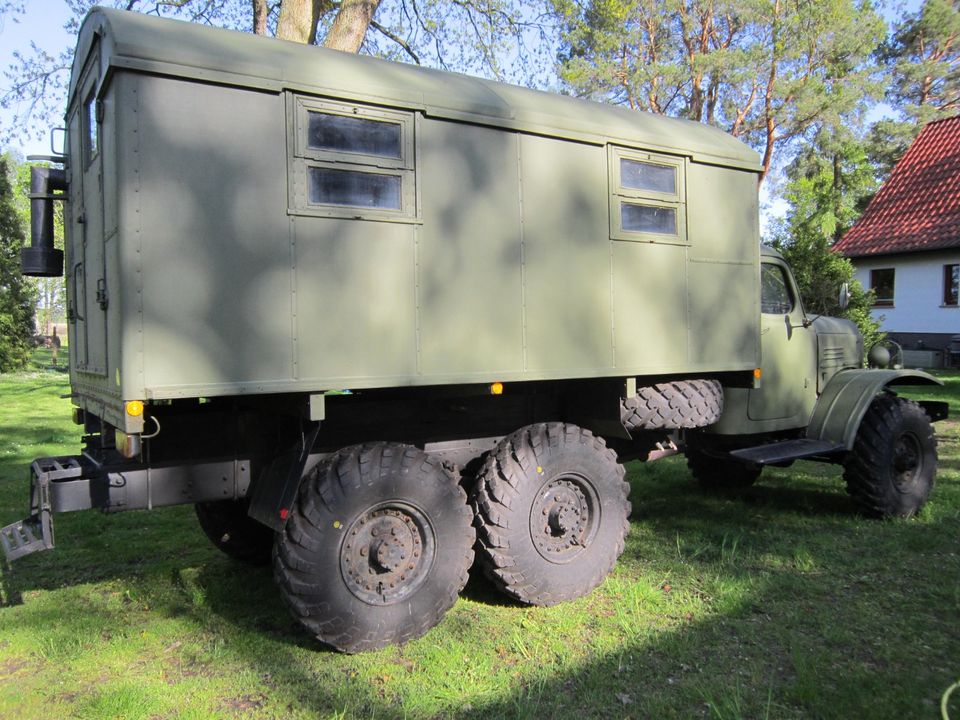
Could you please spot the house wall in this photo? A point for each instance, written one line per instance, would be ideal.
(918, 311)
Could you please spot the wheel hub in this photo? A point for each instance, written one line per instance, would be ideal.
(563, 519)
(387, 553)
(906, 461)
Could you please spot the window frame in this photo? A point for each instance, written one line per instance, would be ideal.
(621, 194)
(948, 282)
(883, 302)
(302, 157)
(788, 286)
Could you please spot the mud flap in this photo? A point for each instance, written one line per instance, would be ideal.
(276, 488)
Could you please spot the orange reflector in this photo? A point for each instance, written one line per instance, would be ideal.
(496, 388)
(757, 372)
(134, 408)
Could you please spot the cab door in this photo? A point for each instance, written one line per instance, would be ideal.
(788, 349)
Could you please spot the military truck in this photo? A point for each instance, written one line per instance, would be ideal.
(372, 319)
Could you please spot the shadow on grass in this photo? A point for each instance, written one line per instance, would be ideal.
(765, 654)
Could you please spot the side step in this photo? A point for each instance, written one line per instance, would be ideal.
(773, 453)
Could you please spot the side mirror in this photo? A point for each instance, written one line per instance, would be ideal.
(844, 299)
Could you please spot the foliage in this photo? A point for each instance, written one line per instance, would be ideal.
(766, 71)
(16, 296)
(829, 183)
(923, 54)
(50, 292)
(780, 603)
(503, 39)
(922, 59)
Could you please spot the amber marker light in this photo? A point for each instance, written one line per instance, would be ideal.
(757, 373)
(135, 408)
(496, 388)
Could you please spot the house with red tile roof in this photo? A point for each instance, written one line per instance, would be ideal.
(906, 245)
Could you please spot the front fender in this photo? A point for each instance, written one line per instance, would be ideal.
(845, 400)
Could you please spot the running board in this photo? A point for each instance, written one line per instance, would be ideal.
(773, 453)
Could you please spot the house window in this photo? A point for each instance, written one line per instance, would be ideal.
(352, 161)
(647, 201)
(881, 282)
(951, 284)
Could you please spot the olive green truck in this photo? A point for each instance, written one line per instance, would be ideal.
(373, 319)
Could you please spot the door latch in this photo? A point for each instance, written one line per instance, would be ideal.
(102, 294)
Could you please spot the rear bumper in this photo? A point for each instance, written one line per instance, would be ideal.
(65, 484)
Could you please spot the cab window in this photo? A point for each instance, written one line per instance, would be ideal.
(775, 298)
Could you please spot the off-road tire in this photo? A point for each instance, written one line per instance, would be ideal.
(334, 568)
(673, 406)
(233, 531)
(891, 469)
(551, 507)
(715, 470)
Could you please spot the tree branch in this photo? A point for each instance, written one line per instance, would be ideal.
(397, 39)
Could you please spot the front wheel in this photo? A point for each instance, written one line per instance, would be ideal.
(891, 469)
(376, 548)
(715, 469)
(552, 513)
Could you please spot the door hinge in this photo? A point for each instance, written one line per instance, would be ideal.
(102, 294)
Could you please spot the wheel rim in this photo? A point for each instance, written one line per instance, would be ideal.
(387, 553)
(907, 461)
(564, 518)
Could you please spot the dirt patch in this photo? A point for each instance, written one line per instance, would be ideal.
(11, 667)
(245, 703)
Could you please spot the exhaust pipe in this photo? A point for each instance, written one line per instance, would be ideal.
(42, 259)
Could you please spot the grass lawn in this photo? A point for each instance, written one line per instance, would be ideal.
(778, 603)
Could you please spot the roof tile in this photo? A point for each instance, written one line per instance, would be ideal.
(918, 207)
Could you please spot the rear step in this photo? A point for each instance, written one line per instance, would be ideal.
(773, 453)
(28, 536)
(35, 533)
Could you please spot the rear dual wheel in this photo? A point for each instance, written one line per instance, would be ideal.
(376, 548)
(551, 507)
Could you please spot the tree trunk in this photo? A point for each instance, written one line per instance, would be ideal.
(350, 25)
(259, 17)
(298, 19)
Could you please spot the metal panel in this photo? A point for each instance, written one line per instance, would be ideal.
(723, 216)
(215, 244)
(650, 307)
(723, 315)
(355, 302)
(566, 250)
(847, 398)
(468, 253)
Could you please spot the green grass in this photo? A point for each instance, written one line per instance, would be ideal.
(778, 603)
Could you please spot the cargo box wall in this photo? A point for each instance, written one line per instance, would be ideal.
(501, 262)
(205, 239)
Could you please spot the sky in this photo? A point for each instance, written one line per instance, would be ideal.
(43, 24)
